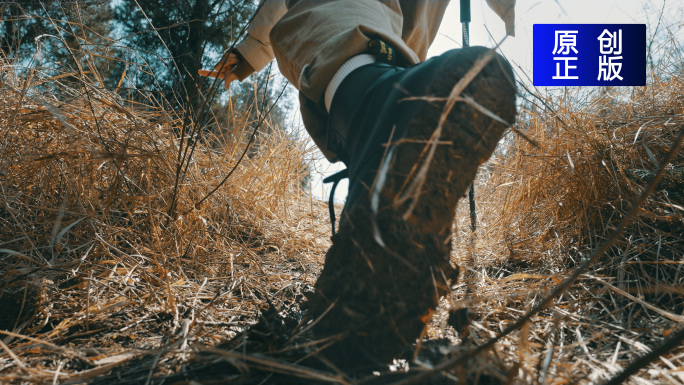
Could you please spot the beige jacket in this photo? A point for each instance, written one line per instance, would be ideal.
(312, 38)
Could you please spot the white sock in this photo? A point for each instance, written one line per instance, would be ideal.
(345, 69)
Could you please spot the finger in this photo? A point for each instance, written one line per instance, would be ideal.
(229, 79)
(231, 56)
(227, 61)
(211, 74)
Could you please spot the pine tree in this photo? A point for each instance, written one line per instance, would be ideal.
(55, 37)
(173, 39)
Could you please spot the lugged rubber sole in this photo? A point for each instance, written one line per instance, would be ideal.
(389, 262)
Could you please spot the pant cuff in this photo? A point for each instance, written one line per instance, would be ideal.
(345, 69)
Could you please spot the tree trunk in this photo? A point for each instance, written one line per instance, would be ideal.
(191, 59)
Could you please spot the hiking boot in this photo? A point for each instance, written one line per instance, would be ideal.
(389, 262)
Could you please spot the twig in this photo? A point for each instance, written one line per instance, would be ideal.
(185, 154)
(664, 313)
(644, 360)
(9, 351)
(244, 152)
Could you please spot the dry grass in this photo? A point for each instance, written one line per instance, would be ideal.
(102, 267)
(96, 268)
(545, 208)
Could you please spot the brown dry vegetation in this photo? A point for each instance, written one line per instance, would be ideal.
(112, 274)
(94, 265)
(547, 203)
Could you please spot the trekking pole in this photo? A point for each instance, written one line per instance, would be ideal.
(465, 20)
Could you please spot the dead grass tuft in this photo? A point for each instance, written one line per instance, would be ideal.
(544, 208)
(96, 265)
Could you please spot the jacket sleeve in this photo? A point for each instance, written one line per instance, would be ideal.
(256, 49)
(506, 11)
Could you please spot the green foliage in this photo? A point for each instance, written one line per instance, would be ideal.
(54, 37)
(170, 38)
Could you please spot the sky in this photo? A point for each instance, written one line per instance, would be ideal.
(487, 29)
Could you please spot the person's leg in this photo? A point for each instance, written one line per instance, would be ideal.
(389, 262)
(314, 38)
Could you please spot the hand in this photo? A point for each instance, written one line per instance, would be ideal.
(223, 69)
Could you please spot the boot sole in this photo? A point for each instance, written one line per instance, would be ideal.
(389, 263)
